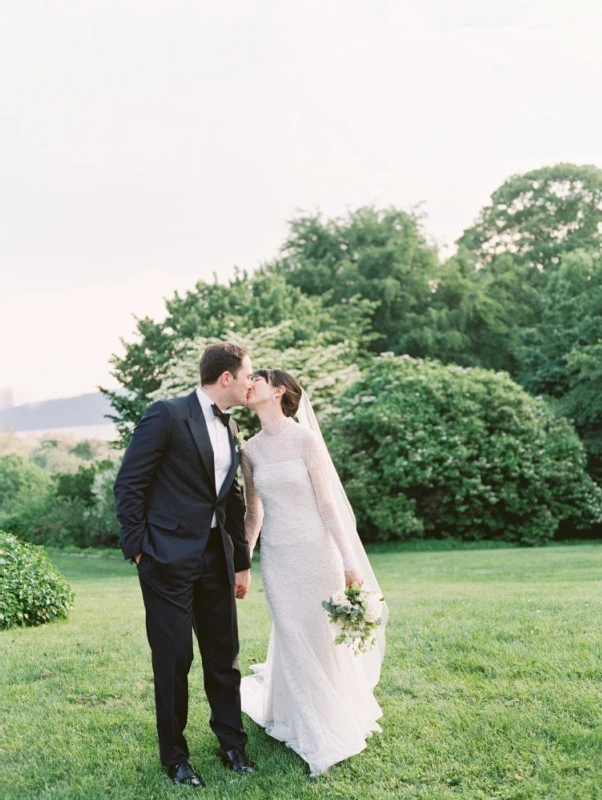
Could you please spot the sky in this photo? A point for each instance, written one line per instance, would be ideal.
(148, 145)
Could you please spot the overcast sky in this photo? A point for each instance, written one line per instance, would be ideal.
(145, 145)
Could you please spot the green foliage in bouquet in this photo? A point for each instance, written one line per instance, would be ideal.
(356, 615)
(425, 449)
(32, 590)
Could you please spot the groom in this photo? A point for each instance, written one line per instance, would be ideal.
(181, 513)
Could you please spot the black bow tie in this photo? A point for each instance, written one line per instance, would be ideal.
(225, 418)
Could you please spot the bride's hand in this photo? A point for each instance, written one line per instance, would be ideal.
(353, 576)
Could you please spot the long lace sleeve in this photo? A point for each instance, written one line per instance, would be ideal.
(254, 515)
(312, 456)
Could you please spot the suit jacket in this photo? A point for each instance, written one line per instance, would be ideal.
(165, 491)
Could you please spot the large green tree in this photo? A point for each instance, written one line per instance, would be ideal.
(561, 354)
(21, 482)
(380, 255)
(583, 401)
(520, 295)
(472, 317)
(324, 369)
(454, 311)
(214, 311)
(538, 216)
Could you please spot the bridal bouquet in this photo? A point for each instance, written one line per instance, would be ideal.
(356, 615)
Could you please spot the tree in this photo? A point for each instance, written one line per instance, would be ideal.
(21, 482)
(86, 450)
(324, 370)
(54, 456)
(51, 520)
(571, 318)
(216, 311)
(583, 401)
(539, 216)
(560, 354)
(453, 311)
(472, 317)
(102, 527)
(380, 255)
(79, 485)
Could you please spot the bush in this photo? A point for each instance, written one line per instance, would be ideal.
(79, 485)
(78, 509)
(431, 450)
(52, 520)
(102, 527)
(21, 482)
(76, 485)
(32, 590)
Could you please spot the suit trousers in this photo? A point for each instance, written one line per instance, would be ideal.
(179, 598)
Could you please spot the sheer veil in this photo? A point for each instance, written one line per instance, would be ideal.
(372, 660)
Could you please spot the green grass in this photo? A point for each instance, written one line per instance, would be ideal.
(492, 688)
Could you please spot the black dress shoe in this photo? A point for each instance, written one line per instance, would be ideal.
(183, 774)
(238, 762)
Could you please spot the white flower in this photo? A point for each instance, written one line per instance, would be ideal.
(374, 607)
(355, 632)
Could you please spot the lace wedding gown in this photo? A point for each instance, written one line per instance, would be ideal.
(311, 694)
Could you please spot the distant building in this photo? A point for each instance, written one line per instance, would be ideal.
(6, 398)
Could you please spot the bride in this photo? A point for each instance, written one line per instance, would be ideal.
(315, 696)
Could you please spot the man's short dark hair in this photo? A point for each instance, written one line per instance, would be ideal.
(219, 358)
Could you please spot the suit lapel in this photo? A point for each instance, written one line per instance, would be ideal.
(200, 434)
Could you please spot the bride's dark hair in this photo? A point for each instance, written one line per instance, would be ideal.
(292, 388)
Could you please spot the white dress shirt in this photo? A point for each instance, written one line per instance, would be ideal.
(220, 442)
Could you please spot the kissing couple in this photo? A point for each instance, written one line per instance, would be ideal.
(183, 521)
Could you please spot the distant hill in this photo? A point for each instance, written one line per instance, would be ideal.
(69, 412)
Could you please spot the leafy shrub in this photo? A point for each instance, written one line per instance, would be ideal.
(21, 482)
(77, 509)
(102, 527)
(32, 590)
(86, 450)
(431, 450)
(80, 484)
(55, 455)
(52, 520)
(76, 485)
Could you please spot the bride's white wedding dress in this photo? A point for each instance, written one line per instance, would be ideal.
(312, 694)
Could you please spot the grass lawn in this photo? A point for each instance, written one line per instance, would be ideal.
(492, 688)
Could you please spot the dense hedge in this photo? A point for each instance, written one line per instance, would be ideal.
(68, 509)
(431, 450)
(21, 483)
(32, 590)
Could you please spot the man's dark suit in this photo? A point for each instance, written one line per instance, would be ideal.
(166, 497)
